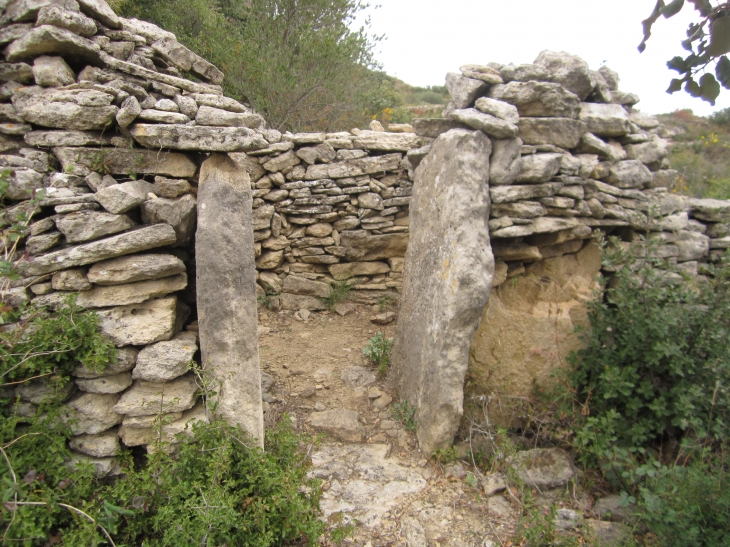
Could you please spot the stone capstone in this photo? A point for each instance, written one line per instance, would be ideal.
(446, 282)
(226, 287)
(568, 70)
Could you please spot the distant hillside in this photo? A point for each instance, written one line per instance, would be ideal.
(700, 152)
(414, 102)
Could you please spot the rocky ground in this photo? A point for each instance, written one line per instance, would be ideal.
(374, 475)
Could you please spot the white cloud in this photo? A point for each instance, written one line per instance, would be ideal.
(428, 38)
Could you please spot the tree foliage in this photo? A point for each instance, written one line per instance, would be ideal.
(708, 42)
(298, 62)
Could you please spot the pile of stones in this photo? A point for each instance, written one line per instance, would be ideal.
(571, 154)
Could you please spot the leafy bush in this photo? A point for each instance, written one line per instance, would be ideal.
(657, 361)
(378, 351)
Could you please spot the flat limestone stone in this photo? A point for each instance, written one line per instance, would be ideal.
(353, 269)
(148, 398)
(143, 239)
(140, 324)
(126, 358)
(180, 213)
(48, 39)
(226, 288)
(489, 124)
(120, 161)
(388, 142)
(562, 132)
(203, 138)
(340, 423)
(132, 293)
(106, 384)
(92, 413)
(88, 225)
(135, 268)
(67, 138)
(446, 282)
(120, 198)
(103, 445)
(362, 247)
(164, 361)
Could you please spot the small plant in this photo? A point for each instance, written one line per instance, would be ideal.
(446, 455)
(101, 163)
(378, 351)
(339, 292)
(386, 302)
(268, 300)
(405, 413)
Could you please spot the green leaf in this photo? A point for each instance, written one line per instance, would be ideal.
(709, 88)
(693, 88)
(722, 70)
(719, 37)
(649, 22)
(703, 6)
(672, 9)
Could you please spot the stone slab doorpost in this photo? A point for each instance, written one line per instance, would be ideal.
(226, 293)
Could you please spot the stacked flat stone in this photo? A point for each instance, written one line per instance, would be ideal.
(571, 154)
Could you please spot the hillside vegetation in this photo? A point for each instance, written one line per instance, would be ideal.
(700, 152)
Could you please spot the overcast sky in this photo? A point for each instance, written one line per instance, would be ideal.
(425, 39)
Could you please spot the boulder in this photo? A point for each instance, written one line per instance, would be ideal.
(148, 398)
(135, 241)
(131, 293)
(90, 225)
(464, 91)
(538, 99)
(115, 383)
(562, 132)
(605, 120)
(203, 138)
(486, 74)
(92, 413)
(180, 213)
(140, 324)
(568, 70)
(489, 124)
(445, 284)
(121, 161)
(523, 73)
(340, 423)
(539, 167)
(129, 269)
(226, 287)
(164, 361)
(77, 109)
(52, 72)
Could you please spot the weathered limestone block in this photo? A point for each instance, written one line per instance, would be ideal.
(353, 269)
(362, 247)
(568, 70)
(710, 210)
(226, 292)
(164, 361)
(539, 167)
(301, 302)
(464, 91)
(70, 20)
(90, 225)
(103, 445)
(539, 99)
(499, 109)
(180, 213)
(355, 167)
(294, 284)
(120, 161)
(340, 423)
(180, 56)
(131, 293)
(149, 398)
(126, 358)
(629, 174)
(486, 74)
(99, 9)
(129, 111)
(208, 139)
(140, 324)
(70, 280)
(507, 194)
(66, 138)
(323, 153)
(515, 344)
(143, 239)
(92, 413)
(77, 109)
(135, 268)
(447, 279)
(489, 124)
(115, 383)
(52, 72)
(387, 142)
(561, 132)
(605, 120)
(648, 153)
(223, 118)
(48, 39)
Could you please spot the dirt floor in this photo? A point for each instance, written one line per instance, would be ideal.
(385, 486)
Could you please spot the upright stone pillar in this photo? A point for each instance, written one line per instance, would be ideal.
(226, 294)
(447, 278)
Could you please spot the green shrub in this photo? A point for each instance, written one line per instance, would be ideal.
(405, 413)
(378, 351)
(657, 361)
(339, 292)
